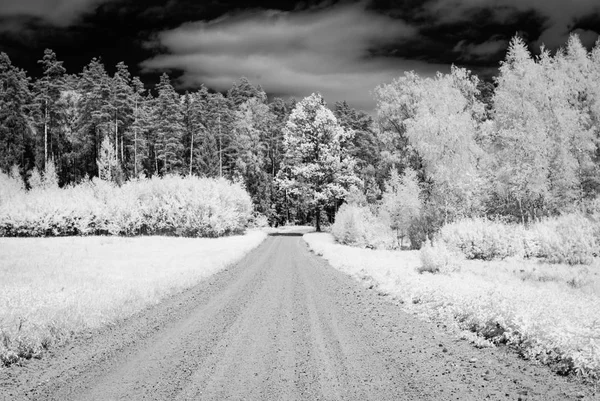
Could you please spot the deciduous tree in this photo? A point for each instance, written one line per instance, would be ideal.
(315, 170)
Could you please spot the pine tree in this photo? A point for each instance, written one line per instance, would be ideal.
(243, 90)
(194, 107)
(135, 133)
(364, 146)
(169, 127)
(252, 128)
(95, 118)
(16, 123)
(121, 103)
(48, 90)
(68, 106)
(217, 150)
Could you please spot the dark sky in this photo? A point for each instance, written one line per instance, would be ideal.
(342, 49)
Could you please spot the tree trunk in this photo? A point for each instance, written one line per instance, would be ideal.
(521, 211)
(135, 172)
(116, 138)
(191, 152)
(318, 219)
(220, 150)
(165, 167)
(135, 113)
(45, 134)
(155, 163)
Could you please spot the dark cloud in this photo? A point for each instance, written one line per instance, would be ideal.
(343, 48)
(55, 12)
(327, 49)
(559, 15)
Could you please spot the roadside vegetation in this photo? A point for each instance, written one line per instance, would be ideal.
(548, 312)
(191, 206)
(120, 252)
(489, 219)
(52, 289)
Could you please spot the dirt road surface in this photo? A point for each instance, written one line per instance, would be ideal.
(280, 325)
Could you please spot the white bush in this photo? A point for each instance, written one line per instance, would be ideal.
(566, 239)
(483, 239)
(436, 258)
(356, 225)
(191, 206)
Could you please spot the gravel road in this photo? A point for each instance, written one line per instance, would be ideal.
(280, 325)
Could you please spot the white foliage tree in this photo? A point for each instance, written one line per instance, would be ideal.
(544, 142)
(50, 179)
(401, 202)
(521, 145)
(315, 170)
(107, 163)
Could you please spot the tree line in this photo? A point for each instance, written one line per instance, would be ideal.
(92, 124)
(523, 146)
(523, 149)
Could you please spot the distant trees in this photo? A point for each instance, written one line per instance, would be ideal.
(47, 91)
(168, 126)
(524, 149)
(543, 142)
(524, 146)
(16, 117)
(431, 127)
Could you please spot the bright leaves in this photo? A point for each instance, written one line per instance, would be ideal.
(315, 168)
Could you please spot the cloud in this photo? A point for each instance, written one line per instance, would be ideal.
(55, 12)
(560, 16)
(480, 51)
(329, 50)
(588, 38)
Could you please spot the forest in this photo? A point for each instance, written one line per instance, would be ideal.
(519, 148)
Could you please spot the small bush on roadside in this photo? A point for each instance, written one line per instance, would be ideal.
(483, 239)
(10, 187)
(567, 239)
(358, 226)
(436, 258)
(259, 220)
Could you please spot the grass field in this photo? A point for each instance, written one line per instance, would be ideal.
(52, 288)
(551, 313)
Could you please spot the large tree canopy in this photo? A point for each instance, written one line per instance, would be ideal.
(315, 168)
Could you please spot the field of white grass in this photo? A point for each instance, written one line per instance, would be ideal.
(51, 288)
(551, 313)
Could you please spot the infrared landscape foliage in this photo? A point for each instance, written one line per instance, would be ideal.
(169, 230)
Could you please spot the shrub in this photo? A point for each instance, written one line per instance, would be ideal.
(483, 239)
(10, 186)
(191, 206)
(358, 226)
(436, 258)
(566, 239)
